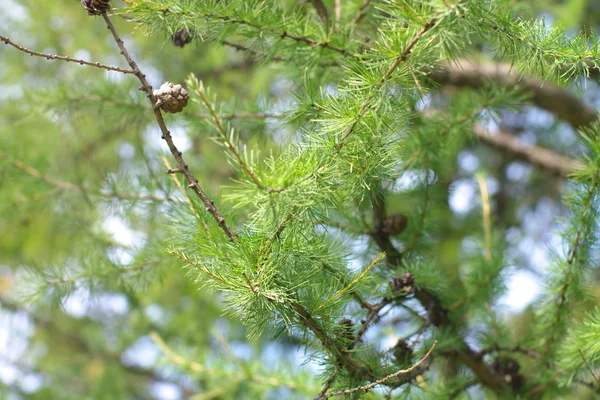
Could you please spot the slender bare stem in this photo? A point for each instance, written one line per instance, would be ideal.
(371, 385)
(64, 58)
(166, 135)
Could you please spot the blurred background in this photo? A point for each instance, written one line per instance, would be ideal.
(83, 193)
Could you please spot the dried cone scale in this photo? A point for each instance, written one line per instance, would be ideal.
(171, 98)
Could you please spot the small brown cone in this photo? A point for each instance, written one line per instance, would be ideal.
(394, 224)
(182, 37)
(171, 98)
(96, 7)
(405, 283)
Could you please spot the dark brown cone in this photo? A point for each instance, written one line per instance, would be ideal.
(509, 369)
(394, 224)
(405, 283)
(346, 329)
(402, 352)
(182, 37)
(96, 7)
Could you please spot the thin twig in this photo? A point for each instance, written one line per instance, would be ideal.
(176, 358)
(338, 14)
(588, 366)
(116, 271)
(370, 386)
(64, 58)
(63, 185)
(327, 385)
(354, 282)
(487, 223)
(166, 135)
(321, 10)
(572, 255)
(362, 11)
(227, 137)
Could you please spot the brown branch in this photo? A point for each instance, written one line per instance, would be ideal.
(370, 386)
(166, 135)
(64, 58)
(362, 11)
(437, 313)
(538, 156)
(588, 367)
(553, 98)
(514, 349)
(321, 10)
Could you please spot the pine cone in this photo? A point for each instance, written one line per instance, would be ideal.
(182, 37)
(402, 352)
(96, 7)
(509, 369)
(346, 329)
(405, 283)
(171, 98)
(394, 224)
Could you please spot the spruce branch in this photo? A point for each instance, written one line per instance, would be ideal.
(64, 58)
(381, 381)
(166, 135)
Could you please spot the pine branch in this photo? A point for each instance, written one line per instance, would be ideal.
(64, 58)
(115, 271)
(260, 28)
(438, 314)
(570, 266)
(64, 185)
(553, 98)
(227, 138)
(370, 386)
(200, 116)
(166, 135)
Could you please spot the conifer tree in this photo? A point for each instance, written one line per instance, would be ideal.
(250, 199)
